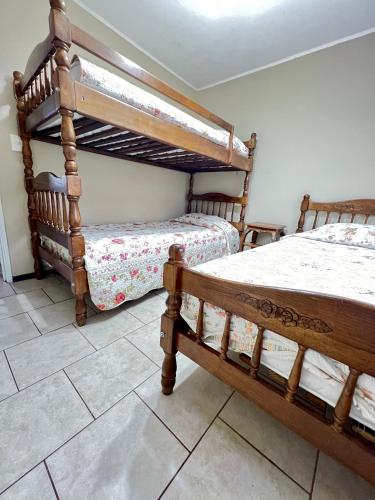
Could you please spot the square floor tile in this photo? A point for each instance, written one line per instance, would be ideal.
(56, 316)
(5, 289)
(108, 326)
(127, 453)
(15, 330)
(7, 385)
(24, 302)
(147, 339)
(335, 482)
(224, 466)
(40, 357)
(290, 452)
(34, 284)
(147, 308)
(109, 374)
(35, 422)
(59, 291)
(36, 485)
(196, 400)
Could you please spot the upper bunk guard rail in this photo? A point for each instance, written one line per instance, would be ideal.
(117, 60)
(47, 86)
(336, 327)
(360, 210)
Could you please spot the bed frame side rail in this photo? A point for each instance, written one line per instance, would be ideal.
(336, 327)
(353, 210)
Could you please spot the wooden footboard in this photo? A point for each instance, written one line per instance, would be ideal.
(339, 328)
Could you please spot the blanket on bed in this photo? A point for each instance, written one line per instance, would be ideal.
(336, 259)
(125, 261)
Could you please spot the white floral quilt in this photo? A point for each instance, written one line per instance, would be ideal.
(337, 259)
(125, 261)
(115, 86)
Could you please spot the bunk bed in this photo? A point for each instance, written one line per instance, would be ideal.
(74, 103)
(299, 342)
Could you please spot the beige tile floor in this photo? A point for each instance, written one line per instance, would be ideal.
(82, 416)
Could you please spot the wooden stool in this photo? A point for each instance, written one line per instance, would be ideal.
(275, 230)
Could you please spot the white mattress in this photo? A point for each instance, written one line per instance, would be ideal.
(110, 84)
(338, 259)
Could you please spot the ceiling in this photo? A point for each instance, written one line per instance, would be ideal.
(206, 42)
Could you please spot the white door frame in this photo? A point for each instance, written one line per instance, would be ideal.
(4, 250)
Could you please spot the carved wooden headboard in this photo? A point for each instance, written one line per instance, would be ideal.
(359, 211)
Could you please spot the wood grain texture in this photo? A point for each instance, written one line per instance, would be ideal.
(336, 327)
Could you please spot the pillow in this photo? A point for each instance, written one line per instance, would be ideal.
(359, 235)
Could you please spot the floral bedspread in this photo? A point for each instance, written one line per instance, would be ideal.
(115, 86)
(125, 261)
(337, 259)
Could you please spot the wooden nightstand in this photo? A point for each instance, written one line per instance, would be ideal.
(275, 230)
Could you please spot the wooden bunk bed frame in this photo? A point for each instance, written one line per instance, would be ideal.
(47, 90)
(336, 327)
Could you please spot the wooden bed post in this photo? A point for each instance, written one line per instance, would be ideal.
(62, 43)
(251, 144)
(304, 208)
(190, 193)
(171, 317)
(244, 202)
(29, 173)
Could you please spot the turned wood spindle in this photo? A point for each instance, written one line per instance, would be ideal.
(49, 208)
(41, 86)
(226, 336)
(199, 329)
(257, 353)
(64, 212)
(54, 212)
(344, 403)
(295, 375)
(47, 86)
(60, 224)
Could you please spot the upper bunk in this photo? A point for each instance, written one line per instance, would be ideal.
(113, 117)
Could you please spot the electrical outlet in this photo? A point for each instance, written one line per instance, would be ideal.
(15, 142)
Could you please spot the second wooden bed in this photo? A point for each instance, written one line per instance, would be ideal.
(338, 327)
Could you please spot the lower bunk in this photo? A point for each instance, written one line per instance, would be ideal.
(291, 326)
(115, 263)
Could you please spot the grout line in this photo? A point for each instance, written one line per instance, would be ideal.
(264, 456)
(159, 418)
(75, 361)
(194, 447)
(314, 475)
(50, 478)
(76, 434)
(81, 398)
(11, 371)
(83, 336)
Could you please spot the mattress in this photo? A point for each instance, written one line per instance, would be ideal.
(114, 86)
(337, 259)
(125, 261)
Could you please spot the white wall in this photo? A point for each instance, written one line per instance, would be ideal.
(315, 120)
(113, 190)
